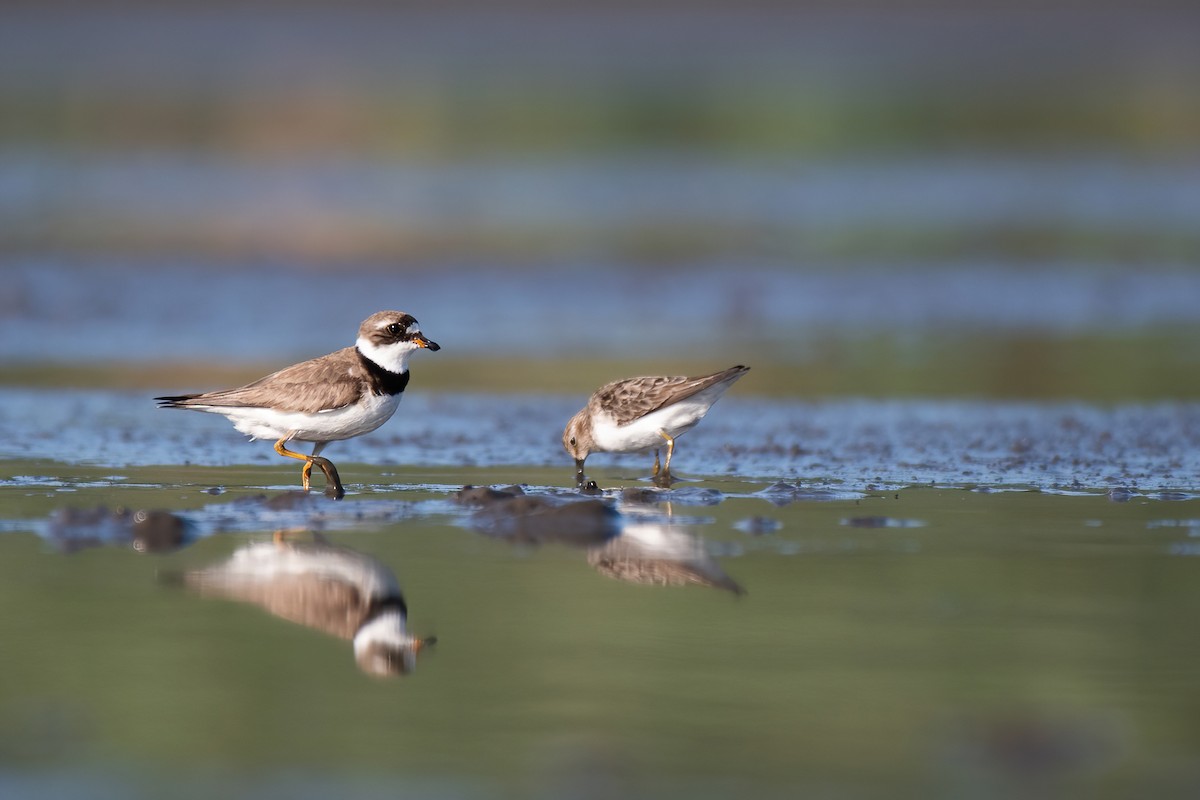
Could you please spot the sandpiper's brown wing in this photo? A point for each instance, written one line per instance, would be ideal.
(325, 604)
(632, 398)
(629, 565)
(322, 384)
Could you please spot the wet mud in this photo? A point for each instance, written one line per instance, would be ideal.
(798, 450)
(120, 484)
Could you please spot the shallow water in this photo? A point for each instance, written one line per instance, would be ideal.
(855, 444)
(934, 639)
(944, 598)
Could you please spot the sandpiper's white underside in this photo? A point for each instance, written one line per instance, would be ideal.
(643, 434)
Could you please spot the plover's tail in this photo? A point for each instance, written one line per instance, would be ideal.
(175, 400)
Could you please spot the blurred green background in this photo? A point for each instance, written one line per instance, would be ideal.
(934, 86)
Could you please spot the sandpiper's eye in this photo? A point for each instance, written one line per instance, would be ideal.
(395, 329)
(572, 441)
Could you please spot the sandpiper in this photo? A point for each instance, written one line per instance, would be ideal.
(659, 552)
(338, 396)
(642, 414)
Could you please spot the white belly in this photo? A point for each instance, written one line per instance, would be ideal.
(323, 426)
(643, 434)
(263, 562)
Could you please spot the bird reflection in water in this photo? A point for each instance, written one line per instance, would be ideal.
(660, 553)
(332, 589)
(636, 544)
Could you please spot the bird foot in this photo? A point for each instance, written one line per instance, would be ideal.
(333, 483)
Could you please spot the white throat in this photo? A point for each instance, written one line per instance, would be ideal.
(386, 629)
(377, 644)
(392, 357)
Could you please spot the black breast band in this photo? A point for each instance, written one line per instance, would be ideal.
(382, 604)
(380, 380)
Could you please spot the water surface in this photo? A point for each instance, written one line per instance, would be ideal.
(953, 598)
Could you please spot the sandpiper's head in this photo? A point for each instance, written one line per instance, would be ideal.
(577, 436)
(577, 439)
(389, 337)
(382, 647)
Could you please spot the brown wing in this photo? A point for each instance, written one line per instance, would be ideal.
(632, 398)
(324, 383)
(330, 606)
(614, 561)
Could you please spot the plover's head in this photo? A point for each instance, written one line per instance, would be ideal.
(389, 337)
(382, 647)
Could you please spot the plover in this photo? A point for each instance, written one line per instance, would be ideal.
(338, 396)
(331, 589)
(642, 414)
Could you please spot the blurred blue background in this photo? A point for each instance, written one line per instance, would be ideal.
(224, 182)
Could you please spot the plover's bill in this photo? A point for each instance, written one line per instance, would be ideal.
(332, 589)
(339, 396)
(642, 414)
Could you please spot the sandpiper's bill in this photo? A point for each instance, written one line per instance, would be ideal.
(642, 414)
(338, 396)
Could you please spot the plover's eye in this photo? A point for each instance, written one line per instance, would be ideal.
(572, 441)
(395, 329)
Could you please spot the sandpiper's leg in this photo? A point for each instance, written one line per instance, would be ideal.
(664, 478)
(657, 466)
(306, 473)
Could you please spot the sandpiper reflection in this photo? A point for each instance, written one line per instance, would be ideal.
(332, 589)
(634, 543)
(660, 553)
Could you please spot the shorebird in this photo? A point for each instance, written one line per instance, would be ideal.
(338, 396)
(660, 553)
(331, 589)
(642, 414)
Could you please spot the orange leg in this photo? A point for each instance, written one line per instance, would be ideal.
(670, 452)
(281, 535)
(306, 473)
(334, 483)
(663, 478)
